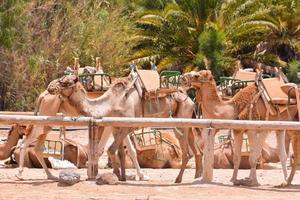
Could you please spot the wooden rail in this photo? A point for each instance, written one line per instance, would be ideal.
(209, 126)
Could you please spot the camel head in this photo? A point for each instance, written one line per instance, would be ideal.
(196, 80)
(186, 79)
(19, 129)
(65, 86)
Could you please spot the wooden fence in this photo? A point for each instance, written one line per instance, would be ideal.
(209, 126)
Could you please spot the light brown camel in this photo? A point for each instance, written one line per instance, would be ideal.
(16, 132)
(238, 107)
(223, 154)
(164, 154)
(123, 100)
(73, 152)
(50, 105)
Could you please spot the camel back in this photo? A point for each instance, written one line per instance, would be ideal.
(240, 79)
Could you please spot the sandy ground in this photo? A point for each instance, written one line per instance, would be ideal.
(160, 186)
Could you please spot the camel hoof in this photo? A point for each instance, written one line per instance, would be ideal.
(19, 177)
(122, 179)
(144, 177)
(246, 182)
(51, 177)
(178, 180)
(283, 185)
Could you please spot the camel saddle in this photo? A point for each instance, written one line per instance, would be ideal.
(245, 75)
(147, 139)
(149, 80)
(274, 97)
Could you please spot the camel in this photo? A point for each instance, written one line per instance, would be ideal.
(223, 154)
(165, 154)
(48, 104)
(238, 107)
(15, 133)
(73, 152)
(123, 99)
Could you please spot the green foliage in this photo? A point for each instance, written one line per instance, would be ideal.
(272, 23)
(38, 39)
(293, 69)
(210, 52)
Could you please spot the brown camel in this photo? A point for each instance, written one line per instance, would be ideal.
(48, 104)
(73, 152)
(165, 154)
(238, 107)
(16, 132)
(223, 154)
(123, 100)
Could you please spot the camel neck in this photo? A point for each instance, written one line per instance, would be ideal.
(212, 105)
(12, 140)
(209, 95)
(90, 107)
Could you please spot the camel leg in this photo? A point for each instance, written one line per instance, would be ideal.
(102, 138)
(256, 142)
(183, 138)
(237, 149)
(122, 157)
(38, 149)
(119, 137)
(280, 135)
(133, 157)
(295, 145)
(197, 154)
(24, 145)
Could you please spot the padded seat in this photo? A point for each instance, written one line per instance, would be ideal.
(245, 75)
(287, 89)
(274, 92)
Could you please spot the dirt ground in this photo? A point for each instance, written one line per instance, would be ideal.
(161, 185)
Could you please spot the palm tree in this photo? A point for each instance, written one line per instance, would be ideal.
(171, 35)
(268, 31)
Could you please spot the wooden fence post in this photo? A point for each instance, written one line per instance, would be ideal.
(92, 171)
(208, 162)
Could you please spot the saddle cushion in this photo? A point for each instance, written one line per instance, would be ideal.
(287, 89)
